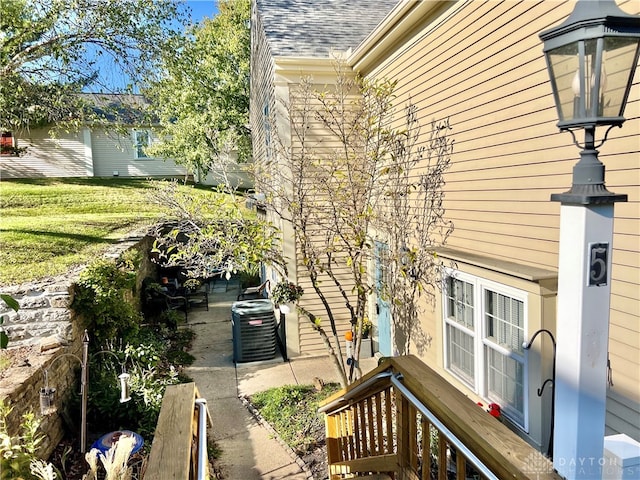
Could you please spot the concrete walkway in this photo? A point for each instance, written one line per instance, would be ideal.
(249, 450)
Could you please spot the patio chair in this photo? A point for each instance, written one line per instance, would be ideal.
(198, 297)
(251, 293)
(158, 299)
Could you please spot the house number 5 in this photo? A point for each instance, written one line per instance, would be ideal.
(598, 263)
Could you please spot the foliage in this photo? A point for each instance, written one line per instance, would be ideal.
(202, 95)
(100, 296)
(366, 327)
(152, 361)
(212, 235)
(248, 279)
(13, 304)
(292, 410)
(114, 460)
(192, 284)
(18, 454)
(349, 153)
(286, 292)
(51, 51)
(49, 226)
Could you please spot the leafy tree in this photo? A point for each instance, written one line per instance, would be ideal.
(350, 164)
(210, 234)
(50, 51)
(202, 94)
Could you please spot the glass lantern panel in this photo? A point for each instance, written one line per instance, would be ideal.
(563, 64)
(617, 72)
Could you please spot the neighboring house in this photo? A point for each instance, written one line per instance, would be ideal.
(92, 151)
(480, 64)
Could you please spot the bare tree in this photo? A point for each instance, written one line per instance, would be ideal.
(413, 224)
(334, 182)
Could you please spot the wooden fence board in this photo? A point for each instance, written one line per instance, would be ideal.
(170, 455)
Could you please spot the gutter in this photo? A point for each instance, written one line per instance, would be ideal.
(403, 18)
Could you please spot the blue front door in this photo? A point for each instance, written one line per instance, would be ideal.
(382, 306)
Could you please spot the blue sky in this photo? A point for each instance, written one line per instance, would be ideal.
(202, 8)
(115, 78)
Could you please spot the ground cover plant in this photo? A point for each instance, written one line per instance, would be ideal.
(51, 225)
(292, 411)
(150, 360)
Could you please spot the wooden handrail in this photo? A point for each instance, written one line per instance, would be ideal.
(173, 454)
(373, 427)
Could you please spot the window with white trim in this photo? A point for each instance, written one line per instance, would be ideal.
(141, 140)
(484, 328)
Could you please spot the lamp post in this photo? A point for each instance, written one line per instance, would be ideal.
(591, 58)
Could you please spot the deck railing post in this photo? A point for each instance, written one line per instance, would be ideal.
(402, 419)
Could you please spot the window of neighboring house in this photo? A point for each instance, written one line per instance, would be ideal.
(484, 330)
(7, 144)
(141, 140)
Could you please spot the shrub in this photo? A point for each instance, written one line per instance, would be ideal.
(18, 454)
(286, 292)
(100, 296)
(153, 362)
(292, 410)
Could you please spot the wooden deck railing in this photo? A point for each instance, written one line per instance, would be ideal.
(404, 421)
(176, 448)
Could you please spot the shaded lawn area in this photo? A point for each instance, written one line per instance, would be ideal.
(50, 225)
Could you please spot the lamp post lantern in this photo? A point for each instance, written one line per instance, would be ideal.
(591, 58)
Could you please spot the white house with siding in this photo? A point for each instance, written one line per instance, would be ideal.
(97, 152)
(92, 151)
(87, 153)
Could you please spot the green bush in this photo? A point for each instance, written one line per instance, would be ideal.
(249, 279)
(153, 364)
(292, 410)
(18, 454)
(101, 298)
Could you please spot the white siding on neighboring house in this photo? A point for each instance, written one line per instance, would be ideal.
(64, 156)
(86, 153)
(113, 153)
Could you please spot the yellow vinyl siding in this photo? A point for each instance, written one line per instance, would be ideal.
(619, 409)
(484, 69)
(310, 340)
(323, 147)
(625, 376)
(626, 290)
(481, 65)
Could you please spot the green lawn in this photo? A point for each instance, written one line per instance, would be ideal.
(50, 225)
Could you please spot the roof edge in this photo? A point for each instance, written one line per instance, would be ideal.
(401, 19)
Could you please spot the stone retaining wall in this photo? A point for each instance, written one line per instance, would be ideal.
(45, 319)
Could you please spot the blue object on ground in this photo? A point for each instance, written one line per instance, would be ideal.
(104, 443)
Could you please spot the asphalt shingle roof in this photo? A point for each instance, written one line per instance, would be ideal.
(312, 28)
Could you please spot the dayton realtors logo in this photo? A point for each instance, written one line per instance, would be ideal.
(537, 464)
